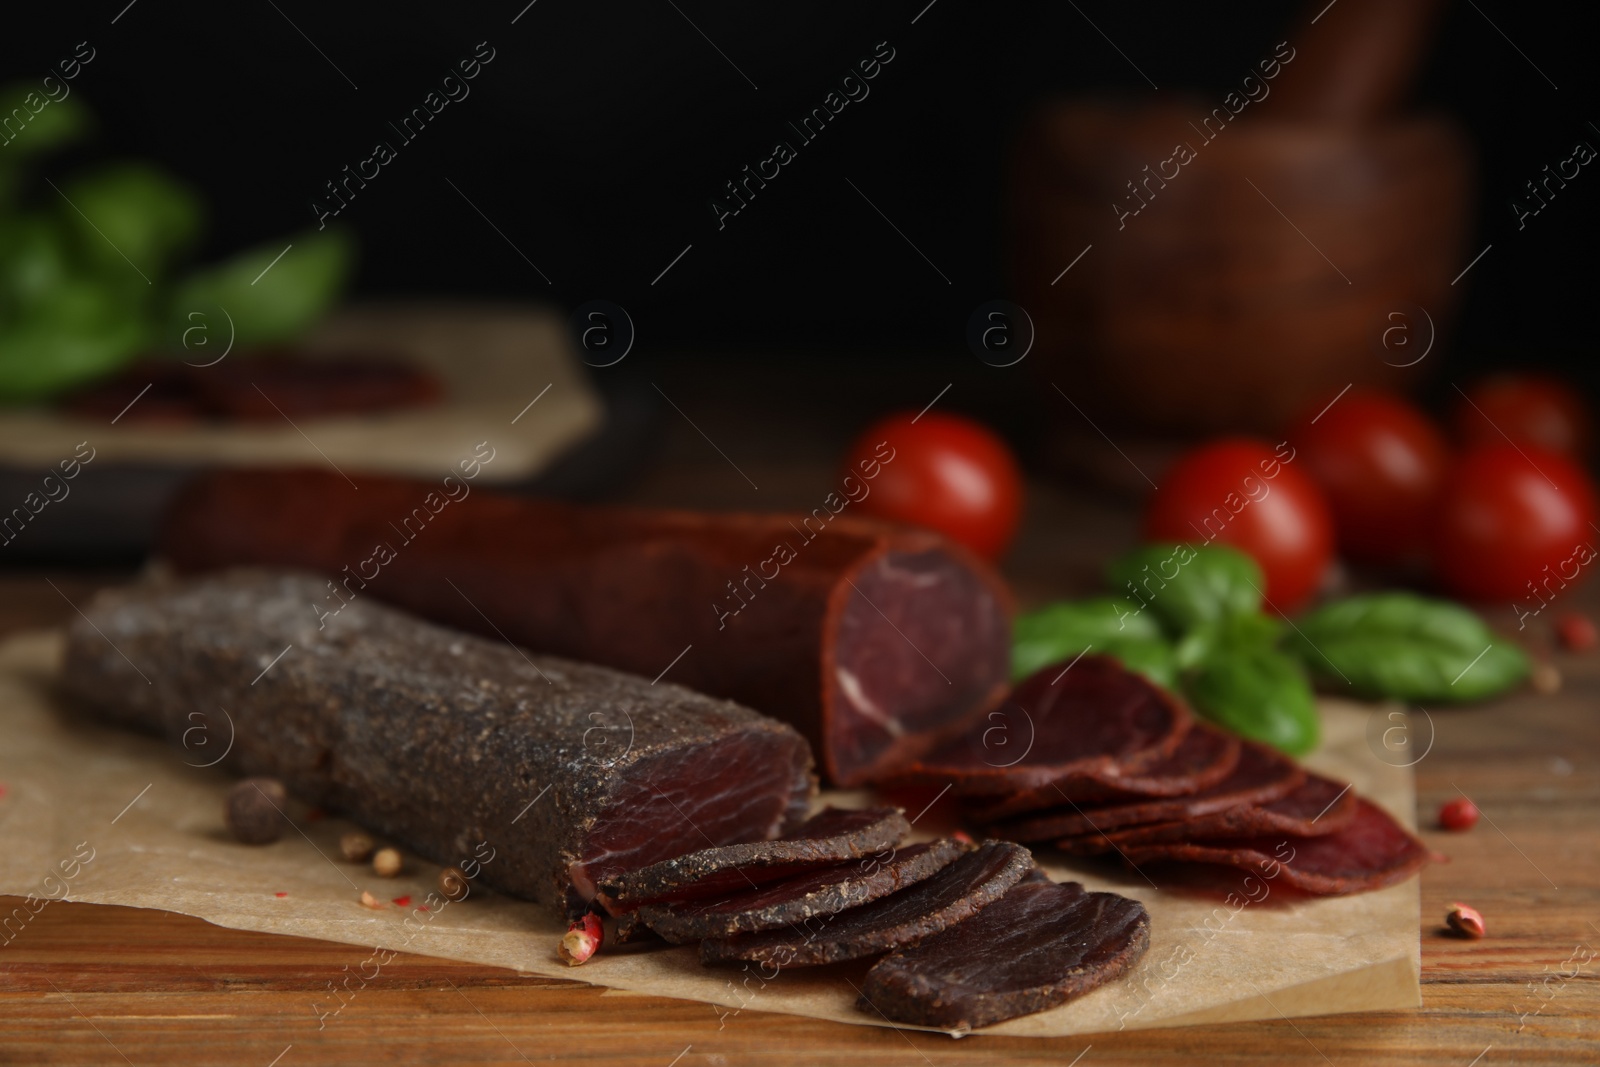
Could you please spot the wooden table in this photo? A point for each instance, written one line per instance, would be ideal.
(105, 985)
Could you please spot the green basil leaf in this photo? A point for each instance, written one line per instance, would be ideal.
(1233, 632)
(48, 123)
(1259, 693)
(1107, 625)
(1407, 647)
(1187, 586)
(131, 213)
(269, 299)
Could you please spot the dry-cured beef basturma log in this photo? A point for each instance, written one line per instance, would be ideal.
(1370, 852)
(831, 836)
(876, 641)
(1094, 717)
(1262, 775)
(957, 892)
(824, 891)
(1036, 947)
(1205, 757)
(1317, 806)
(439, 739)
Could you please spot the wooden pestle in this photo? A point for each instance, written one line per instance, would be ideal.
(1356, 62)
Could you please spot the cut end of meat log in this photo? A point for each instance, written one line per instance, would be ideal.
(920, 644)
(1038, 946)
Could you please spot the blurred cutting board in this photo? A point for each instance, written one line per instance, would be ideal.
(494, 360)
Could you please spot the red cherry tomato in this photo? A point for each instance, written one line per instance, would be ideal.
(944, 472)
(1527, 408)
(1246, 494)
(1382, 463)
(1514, 523)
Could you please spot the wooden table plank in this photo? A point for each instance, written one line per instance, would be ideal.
(106, 985)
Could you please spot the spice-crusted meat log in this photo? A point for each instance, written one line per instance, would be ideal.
(877, 642)
(438, 739)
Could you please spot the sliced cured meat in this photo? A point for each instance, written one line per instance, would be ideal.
(831, 836)
(551, 773)
(1370, 852)
(1205, 757)
(876, 641)
(954, 894)
(1261, 776)
(264, 386)
(826, 891)
(1317, 806)
(1095, 717)
(1036, 947)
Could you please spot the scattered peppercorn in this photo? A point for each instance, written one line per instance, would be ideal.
(1577, 631)
(1458, 814)
(583, 939)
(1545, 678)
(453, 884)
(254, 810)
(357, 846)
(402, 902)
(1465, 921)
(387, 862)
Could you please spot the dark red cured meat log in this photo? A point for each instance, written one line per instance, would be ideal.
(957, 892)
(1317, 806)
(1205, 757)
(1038, 946)
(437, 739)
(829, 837)
(1262, 775)
(1371, 852)
(821, 892)
(876, 642)
(1095, 717)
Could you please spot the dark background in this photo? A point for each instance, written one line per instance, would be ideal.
(601, 129)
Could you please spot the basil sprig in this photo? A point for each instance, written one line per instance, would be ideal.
(1407, 647)
(1190, 619)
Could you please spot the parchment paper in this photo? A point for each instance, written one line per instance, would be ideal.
(491, 359)
(153, 824)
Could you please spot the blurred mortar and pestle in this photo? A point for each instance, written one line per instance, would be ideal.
(1249, 251)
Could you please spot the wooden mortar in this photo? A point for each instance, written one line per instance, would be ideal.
(1259, 278)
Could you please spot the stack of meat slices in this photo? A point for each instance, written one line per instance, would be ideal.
(969, 934)
(1095, 759)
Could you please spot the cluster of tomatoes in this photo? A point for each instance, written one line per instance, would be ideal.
(1507, 511)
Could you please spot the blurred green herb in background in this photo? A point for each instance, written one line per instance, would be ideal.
(93, 264)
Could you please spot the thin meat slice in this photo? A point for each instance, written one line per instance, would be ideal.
(1317, 806)
(831, 836)
(956, 893)
(1205, 757)
(1093, 716)
(1370, 852)
(1038, 946)
(805, 896)
(1261, 776)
